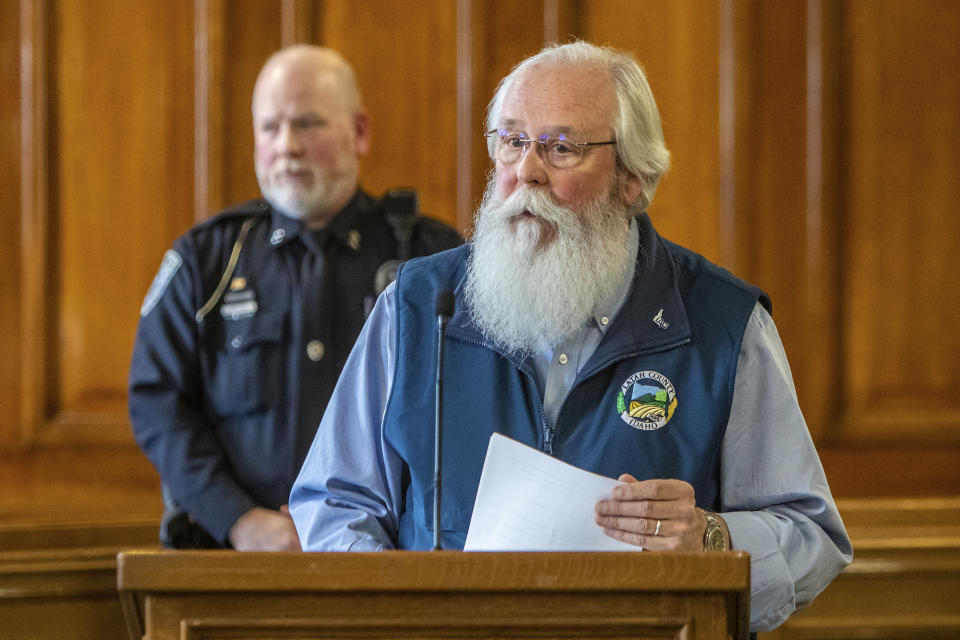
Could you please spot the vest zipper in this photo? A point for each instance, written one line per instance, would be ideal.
(547, 432)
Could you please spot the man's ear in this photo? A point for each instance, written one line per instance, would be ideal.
(361, 130)
(630, 188)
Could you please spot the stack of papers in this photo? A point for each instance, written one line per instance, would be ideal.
(530, 501)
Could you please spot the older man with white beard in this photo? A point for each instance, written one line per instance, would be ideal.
(253, 313)
(581, 332)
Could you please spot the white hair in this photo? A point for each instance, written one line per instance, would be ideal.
(640, 146)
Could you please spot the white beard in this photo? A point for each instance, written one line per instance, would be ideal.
(290, 198)
(534, 282)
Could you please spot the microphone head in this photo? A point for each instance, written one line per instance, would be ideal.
(445, 303)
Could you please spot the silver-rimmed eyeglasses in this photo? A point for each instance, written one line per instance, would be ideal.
(558, 151)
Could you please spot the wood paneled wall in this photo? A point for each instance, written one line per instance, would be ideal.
(814, 153)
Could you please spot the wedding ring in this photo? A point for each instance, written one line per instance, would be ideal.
(656, 531)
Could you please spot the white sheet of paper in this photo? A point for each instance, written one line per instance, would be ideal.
(530, 501)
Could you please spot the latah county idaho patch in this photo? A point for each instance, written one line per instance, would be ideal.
(647, 400)
(168, 268)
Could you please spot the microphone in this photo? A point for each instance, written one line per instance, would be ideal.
(443, 309)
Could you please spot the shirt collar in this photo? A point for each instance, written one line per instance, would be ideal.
(341, 228)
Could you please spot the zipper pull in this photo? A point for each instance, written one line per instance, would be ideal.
(547, 439)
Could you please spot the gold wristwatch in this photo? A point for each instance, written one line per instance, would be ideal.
(713, 537)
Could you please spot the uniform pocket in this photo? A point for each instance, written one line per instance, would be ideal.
(248, 367)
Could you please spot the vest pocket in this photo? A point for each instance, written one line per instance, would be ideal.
(248, 366)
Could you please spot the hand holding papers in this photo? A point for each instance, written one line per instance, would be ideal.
(529, 501)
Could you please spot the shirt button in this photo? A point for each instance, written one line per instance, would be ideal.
(236, 342)
(277, 236)
(562, 359)
(315, 350)
(604, 320)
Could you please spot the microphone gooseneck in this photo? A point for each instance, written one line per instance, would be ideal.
(444, 310)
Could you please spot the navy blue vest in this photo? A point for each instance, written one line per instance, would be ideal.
(652, 401)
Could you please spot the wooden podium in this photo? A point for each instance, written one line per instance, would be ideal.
(200, 595)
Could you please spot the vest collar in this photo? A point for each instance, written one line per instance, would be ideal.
(654, 317)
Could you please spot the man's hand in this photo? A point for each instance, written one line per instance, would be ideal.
(638, 509)
(265, 530)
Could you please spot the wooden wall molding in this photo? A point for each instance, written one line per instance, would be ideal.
(34, 217)
(298, 21)
(11, 159)
(95, 533)
(208, 122)
(466, 115)
(822, 372)
(732, 75)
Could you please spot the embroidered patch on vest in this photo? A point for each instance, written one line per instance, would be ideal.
(647, 400)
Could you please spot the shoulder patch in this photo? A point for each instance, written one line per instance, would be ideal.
(168, 268)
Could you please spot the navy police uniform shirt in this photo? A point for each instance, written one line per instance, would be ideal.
(238, 348)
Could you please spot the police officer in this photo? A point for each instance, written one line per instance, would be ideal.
(253, 313)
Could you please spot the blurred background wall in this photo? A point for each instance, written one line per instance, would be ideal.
(815, 153)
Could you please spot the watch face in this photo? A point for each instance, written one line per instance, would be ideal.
(715, 540)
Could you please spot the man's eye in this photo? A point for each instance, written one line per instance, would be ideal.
(514, 141)
(269, 127)
(561, 148)
(302, 124)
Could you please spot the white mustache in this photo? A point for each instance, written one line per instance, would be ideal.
(537, 202)
(284, 165)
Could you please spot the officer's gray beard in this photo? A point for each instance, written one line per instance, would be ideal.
(289, 198)
(534, 282)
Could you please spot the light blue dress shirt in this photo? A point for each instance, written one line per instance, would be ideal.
(774, 494)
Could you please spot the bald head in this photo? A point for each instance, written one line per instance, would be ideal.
(310, 130)
(298, 62)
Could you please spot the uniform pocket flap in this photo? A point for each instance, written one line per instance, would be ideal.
(259, 328)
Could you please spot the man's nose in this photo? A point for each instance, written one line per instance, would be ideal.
(287, 140)
(531, 168)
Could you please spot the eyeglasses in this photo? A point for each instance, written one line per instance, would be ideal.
(507, 147)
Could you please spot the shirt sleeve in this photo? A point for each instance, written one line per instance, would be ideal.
(781, 511)
(166, 401)
(348, 494)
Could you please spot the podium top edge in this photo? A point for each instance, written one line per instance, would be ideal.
(195, 571)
